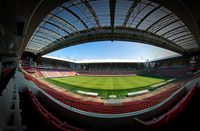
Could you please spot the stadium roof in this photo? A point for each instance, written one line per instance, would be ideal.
(20, 23)
(97, 60)
(79, 21)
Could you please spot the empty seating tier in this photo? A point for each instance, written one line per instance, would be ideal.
(100, 107)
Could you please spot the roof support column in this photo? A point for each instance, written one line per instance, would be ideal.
(112, 4)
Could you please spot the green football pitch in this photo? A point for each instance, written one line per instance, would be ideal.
(107, 85)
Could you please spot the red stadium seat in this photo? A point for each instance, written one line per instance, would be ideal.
(172, 114)
(47, 118)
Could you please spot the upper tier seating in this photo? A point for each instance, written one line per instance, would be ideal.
(104, 73)
(170, 72)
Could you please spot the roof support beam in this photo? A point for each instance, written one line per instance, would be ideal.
(45, 34)
(126, 34)
(166, 25)
(36, 48)
(36, 44)
(172, 30)
(189, 47)
(131, 9)
(41, 41)
(159, 20)
(180, 37)
(34, 17)
(75, 15)
(180, 40)
(56, 26)
(81, 10)
(149, 13)
(87, 4)
(176, 34)
(138, 12)
(186, 42)
(69, 25)
(42, 37)
(181, 10)
(112, 4)
(185, 39)
(51, 31)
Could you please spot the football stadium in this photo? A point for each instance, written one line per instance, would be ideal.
(99, 65)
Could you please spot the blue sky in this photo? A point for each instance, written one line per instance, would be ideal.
(112, 50)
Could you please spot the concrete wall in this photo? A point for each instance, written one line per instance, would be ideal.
(10, 118)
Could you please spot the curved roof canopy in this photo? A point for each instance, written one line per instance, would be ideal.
(79, 21)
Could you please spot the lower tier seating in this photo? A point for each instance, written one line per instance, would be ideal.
(48, 118)
(171, 114)
(100, 107)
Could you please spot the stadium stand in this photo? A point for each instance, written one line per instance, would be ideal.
(171, 114)
(126, 107)
(111, 67)
(55, 73)
(92, 106)
(52, 122)
(107, 73)
(171, 72)
(48, 73)
(31, 29)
